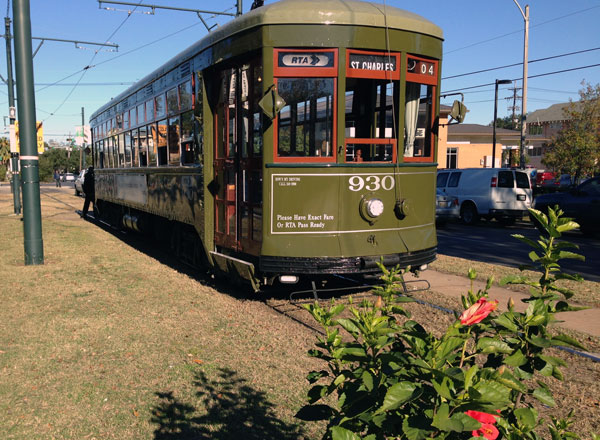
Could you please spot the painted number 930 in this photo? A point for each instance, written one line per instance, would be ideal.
(371, 183)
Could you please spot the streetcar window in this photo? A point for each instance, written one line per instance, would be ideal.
(185, 95)
(141, 114)
(418, 120)
(150, 110)
(121, 159)
(126, 120)
(143, 142)
(305, 124)
(101, 154)
(174, 139)
(160, 140)
(160, 106)
(127, 162)
(135, 147)
(199, 119)
(369, 108)
(151, 145)
(257, 114)
(187, 137)
(172, 102)
(370, 152)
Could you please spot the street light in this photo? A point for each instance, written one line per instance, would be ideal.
(498, 81)
(524, 106)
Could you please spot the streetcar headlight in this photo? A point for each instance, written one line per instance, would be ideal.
(374, 207)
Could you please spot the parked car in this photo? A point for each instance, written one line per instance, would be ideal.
(67, 177)
(545, 179)
(446, 208)
(581, 203)
(79, 183)
(500, 193)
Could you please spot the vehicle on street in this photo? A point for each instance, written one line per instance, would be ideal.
(581, 203)
(79, 183)
(273, 150)
(68, 177)
(545, 179)
(492, 193)
(446, 208)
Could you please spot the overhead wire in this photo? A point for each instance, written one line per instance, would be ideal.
(521, 63)
(520, 30)
(89, 65)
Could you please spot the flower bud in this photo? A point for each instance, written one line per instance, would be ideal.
(378, 303)
(511, 303)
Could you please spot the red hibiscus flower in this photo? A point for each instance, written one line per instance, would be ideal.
(478, 311)
(487, 430)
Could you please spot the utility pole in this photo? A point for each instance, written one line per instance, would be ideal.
(12, 113)
(524, 105)
(32, 210)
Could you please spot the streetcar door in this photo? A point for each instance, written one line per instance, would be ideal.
(238, 160)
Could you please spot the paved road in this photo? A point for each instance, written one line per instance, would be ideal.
(490, 242)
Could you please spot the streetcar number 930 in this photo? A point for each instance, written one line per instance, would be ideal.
(371, 183)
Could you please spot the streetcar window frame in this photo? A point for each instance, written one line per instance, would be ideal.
(375, 72)
(424, 72)
(329, 72)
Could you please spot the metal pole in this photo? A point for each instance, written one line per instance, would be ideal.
(14, 155)
(239, 8)
(524, 106)
(32, 212)
(494, 132)
(82, 153)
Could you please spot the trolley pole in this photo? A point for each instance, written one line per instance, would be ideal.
(14, 155)
(32, 211)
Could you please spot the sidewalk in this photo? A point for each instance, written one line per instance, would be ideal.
(584, 321)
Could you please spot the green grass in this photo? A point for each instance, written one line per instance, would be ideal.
(105, 342)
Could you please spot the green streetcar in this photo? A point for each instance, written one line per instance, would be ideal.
(298, 140)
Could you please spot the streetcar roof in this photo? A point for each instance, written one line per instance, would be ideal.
(287, 12)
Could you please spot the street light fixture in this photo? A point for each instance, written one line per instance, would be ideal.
(498, 81)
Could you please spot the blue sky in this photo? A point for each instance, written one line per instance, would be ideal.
(479, 34)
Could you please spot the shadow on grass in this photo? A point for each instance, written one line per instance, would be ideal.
(228, 408)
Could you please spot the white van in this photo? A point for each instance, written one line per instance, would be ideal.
(500, 193)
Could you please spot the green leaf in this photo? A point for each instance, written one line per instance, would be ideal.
(492, 392)
(443, 387)
(339, 433)
(447, 347)
(468, 422)
(568, 226)
(516, 359)
(526, 417)
(397, 395)
(417, 428)
(445, 423)
(493, 345)
(367, 379)
(350, 353)
(571, 255)
(316, 392)
(505, 321)
(471, 372)
(314, 376)
(544, 395)
(563, 339)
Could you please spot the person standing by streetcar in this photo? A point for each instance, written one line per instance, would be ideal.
(88, 189)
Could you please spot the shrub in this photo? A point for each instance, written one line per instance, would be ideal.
(394, 379)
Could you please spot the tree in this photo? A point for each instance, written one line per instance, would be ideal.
(575, 150)
(4, 151)
(506, 122)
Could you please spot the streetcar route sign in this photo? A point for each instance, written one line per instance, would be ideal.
(299, 59)
(379, 63)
